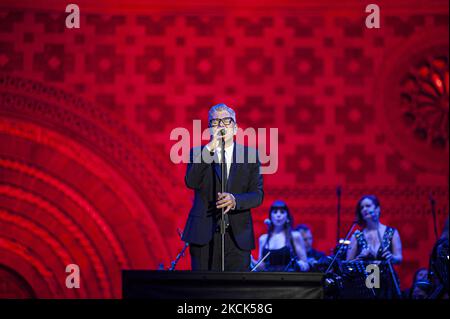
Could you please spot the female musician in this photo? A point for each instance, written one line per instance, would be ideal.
(378, 244)
(284, 245)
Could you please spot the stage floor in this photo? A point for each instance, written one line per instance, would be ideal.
(220, 285)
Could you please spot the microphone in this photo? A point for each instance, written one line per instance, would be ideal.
(431, 199)
(267, 221)
(374, 217)
(223, 132)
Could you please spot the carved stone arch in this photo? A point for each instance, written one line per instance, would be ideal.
(14, 285)
(104, 186)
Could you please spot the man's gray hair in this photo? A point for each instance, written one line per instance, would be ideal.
(221, 107)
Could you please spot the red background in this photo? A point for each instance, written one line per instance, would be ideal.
(86, 114)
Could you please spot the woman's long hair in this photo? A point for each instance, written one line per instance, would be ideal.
(359, 217)
(276, 205)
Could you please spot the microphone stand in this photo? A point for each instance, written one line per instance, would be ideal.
(293, 260)
(180, 254)
(341, 247)
(338, 252)
(349, 232)
(222, 220)
(433, 212)
(338, 209)
(388, 261)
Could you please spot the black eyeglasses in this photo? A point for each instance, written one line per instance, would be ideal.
(225, 121)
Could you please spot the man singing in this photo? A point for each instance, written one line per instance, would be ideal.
(243, 191)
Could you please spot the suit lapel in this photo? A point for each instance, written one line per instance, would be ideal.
(216, 166)
(232, 169)
(218, 172)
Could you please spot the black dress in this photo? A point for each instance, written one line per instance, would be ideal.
(279, 259)
(387, 288)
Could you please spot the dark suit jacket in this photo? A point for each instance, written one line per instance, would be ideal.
(244, 181)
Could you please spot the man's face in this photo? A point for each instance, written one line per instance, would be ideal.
(308, 239)
(422, 275)
(221, 120)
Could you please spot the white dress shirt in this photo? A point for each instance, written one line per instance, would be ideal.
(228, 156)
(228, 160)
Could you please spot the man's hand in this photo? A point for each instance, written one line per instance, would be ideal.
(226, 200)
(214, 143)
